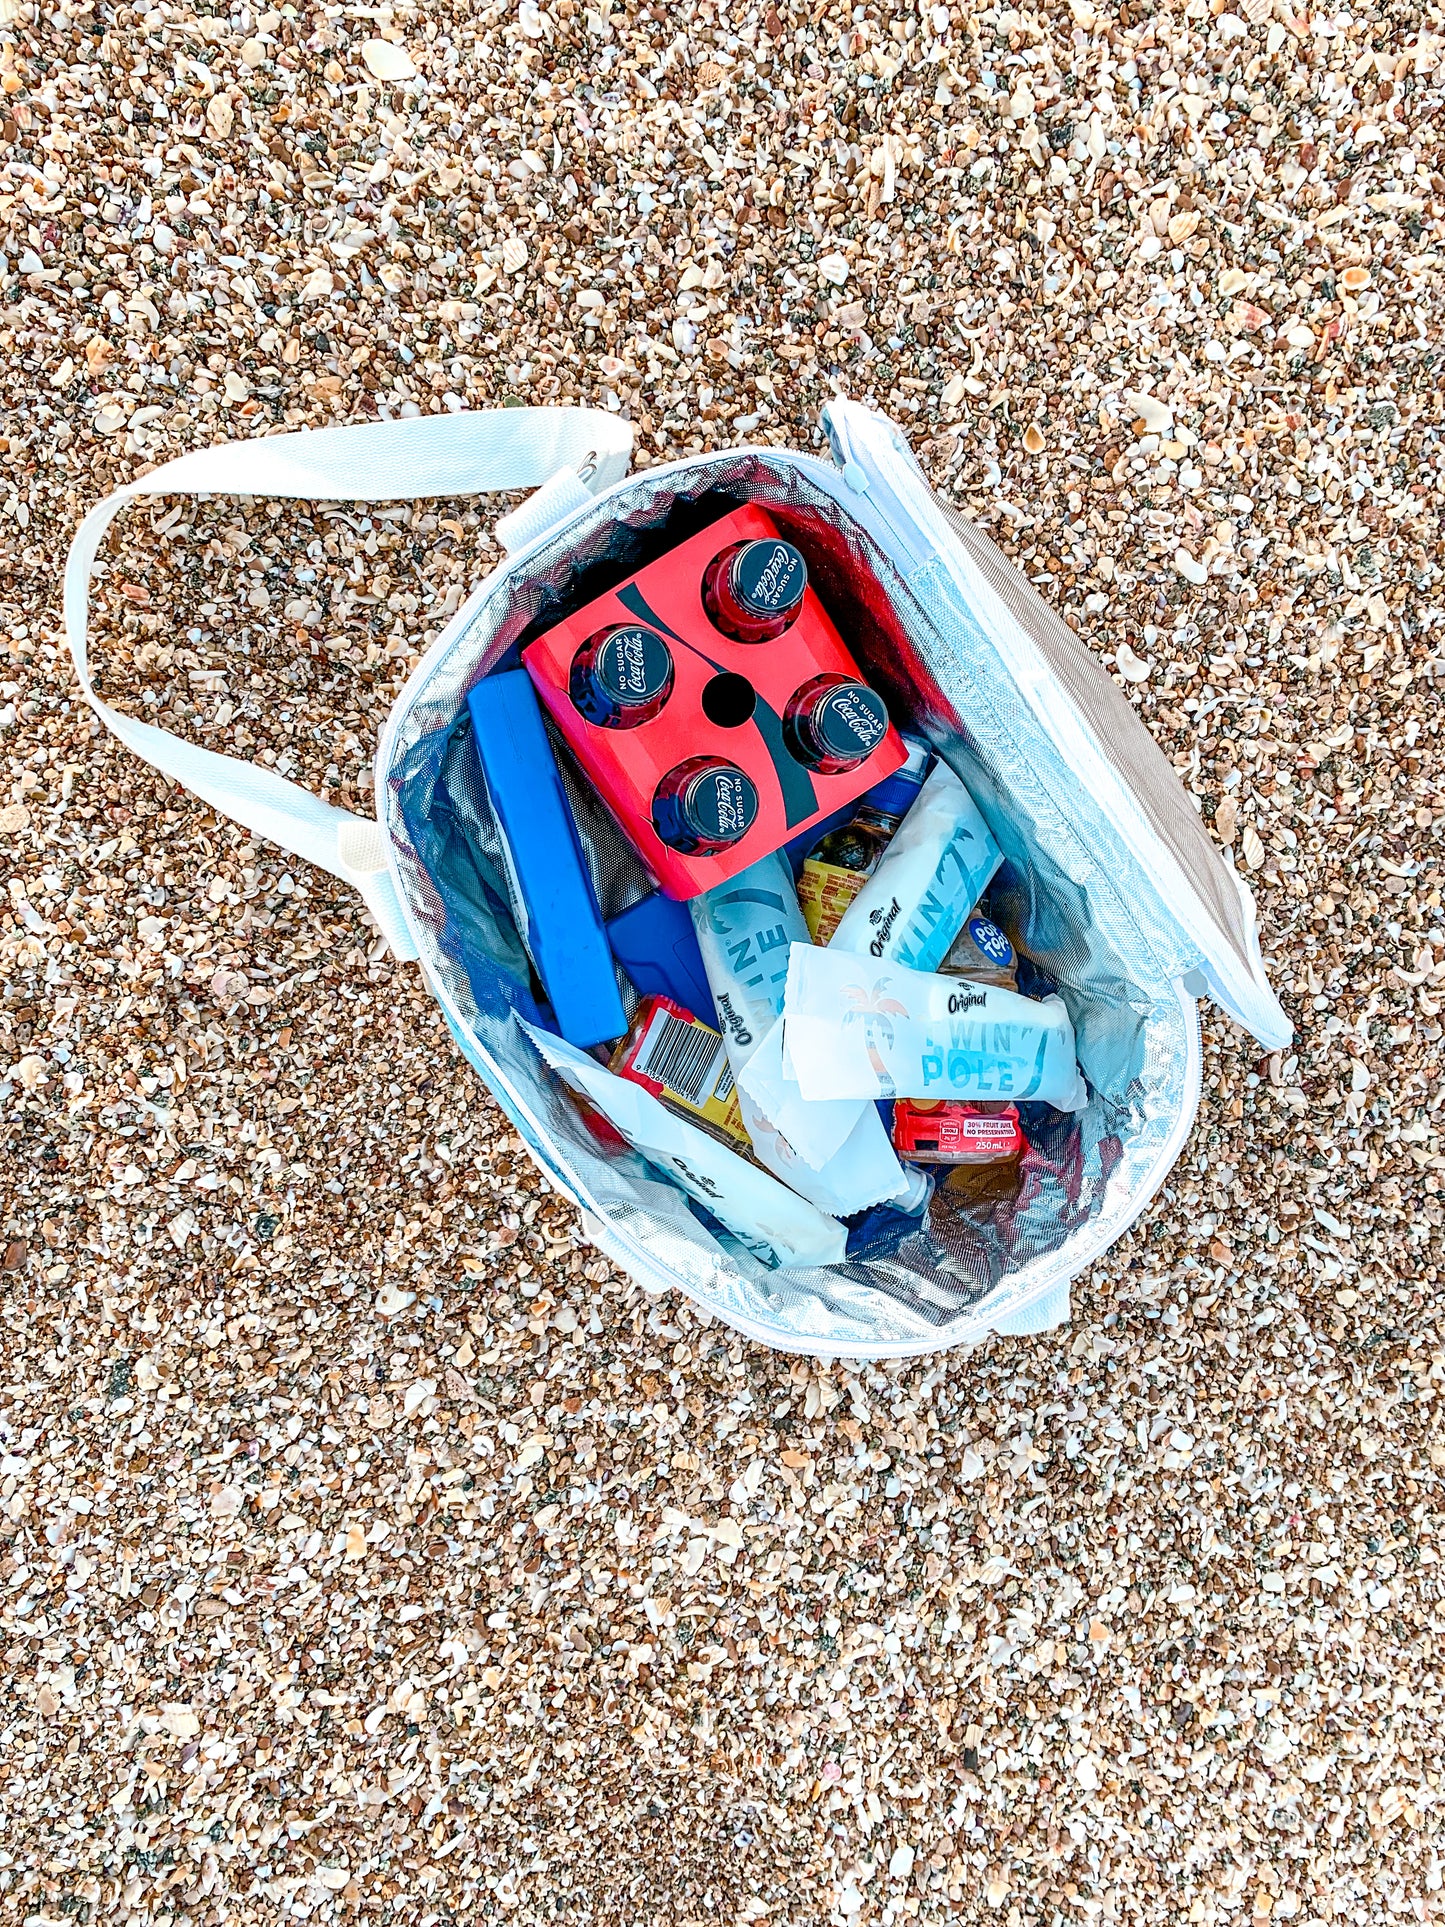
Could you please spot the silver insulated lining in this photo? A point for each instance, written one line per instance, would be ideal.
(912, 1286)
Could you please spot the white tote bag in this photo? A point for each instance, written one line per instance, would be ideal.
(1115, 890)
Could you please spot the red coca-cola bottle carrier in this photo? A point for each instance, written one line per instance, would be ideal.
(728, 706)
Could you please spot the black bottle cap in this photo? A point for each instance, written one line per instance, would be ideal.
(720, 803)
(849, 721)
(769, 577)
(632, 666)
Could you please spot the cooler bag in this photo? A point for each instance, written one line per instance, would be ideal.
(1113, 887)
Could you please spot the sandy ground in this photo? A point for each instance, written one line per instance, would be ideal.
(368, 1546)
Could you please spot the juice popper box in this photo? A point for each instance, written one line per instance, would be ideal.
(713, 703)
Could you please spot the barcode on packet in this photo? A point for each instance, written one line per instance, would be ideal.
(686, 1059)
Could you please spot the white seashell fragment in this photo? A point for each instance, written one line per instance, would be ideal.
(387, 60)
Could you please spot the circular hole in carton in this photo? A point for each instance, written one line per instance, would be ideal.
(728, 700)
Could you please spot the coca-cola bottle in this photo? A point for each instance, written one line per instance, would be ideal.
(704, 806)
(834, 723)
(621, 677)
(754, 590)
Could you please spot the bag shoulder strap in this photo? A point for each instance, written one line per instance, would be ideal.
(463, 454)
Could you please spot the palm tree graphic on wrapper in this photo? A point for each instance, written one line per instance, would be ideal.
(875, 1010)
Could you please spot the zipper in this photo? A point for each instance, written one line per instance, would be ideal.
(882, 496)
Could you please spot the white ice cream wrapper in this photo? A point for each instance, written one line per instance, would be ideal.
(769, 1218)
(938, 865)
(745, 929)
(836, 1155)
(859, 1028)
(860, 1168)
(816, 1132)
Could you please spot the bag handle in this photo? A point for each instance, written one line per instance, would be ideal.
(462, 454)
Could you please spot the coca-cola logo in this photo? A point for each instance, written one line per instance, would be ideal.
(731, 804)
(634, 661)
(773, 582)
(632, 664)
(860, 715)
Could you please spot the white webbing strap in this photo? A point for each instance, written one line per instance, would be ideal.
(543, 509)
(438, 455)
